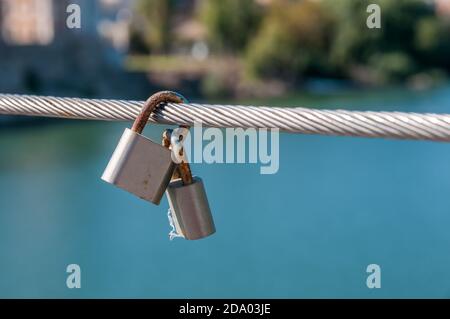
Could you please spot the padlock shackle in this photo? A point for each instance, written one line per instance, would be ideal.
(150, 106)
(183, 169)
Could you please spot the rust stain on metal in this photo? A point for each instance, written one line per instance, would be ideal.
(167, 134)
(150, 106)
(186, 173)
(166, 138)
(183, 170)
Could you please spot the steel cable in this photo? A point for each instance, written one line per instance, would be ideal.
(397, 125)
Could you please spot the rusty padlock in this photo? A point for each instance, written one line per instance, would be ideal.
(189, 207)
(139, 165)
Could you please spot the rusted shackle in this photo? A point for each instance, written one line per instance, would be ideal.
(189, 207)
(139, 165)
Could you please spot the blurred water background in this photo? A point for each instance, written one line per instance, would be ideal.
(335, 206)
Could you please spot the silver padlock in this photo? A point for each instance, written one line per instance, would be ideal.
(139, 165)
(190, 211)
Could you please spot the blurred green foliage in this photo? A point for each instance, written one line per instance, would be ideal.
(432, 41)
(158, 14)
(331, 38)
(231, 23)
(293, 41)
(290, 40)
(410, 30)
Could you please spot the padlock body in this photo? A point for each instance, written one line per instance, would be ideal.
(190, 209)
(140, 166)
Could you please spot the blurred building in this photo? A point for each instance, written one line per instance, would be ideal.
(39, 22)
(27, 22)
(443, 7)
(39, 53)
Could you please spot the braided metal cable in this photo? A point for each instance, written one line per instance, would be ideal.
(398, 125)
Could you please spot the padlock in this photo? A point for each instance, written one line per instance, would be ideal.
(139, 165)
(189, 207)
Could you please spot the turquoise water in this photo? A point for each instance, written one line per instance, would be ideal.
(336, 205)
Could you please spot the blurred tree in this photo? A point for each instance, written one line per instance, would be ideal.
(158, 14)
(353, 42)
(293, 41)
(331, 38)
(138, 43)
(392, 66)
(230, 23)
(392, 50)
(432, 41)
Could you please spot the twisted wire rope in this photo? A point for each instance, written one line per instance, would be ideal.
(397, 125)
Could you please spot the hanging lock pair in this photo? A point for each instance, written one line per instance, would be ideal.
(189, 207)
(145, 169)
